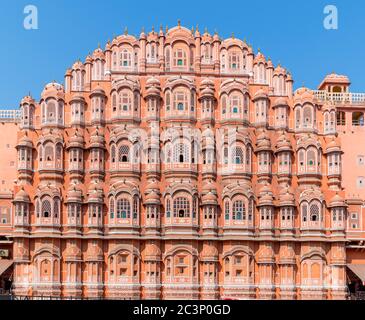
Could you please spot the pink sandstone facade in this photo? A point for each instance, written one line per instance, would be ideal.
(183, 166)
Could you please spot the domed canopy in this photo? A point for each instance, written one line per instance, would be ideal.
(98, 90)
(209, 199)
(337, 201)
(260, 94)
(333, 146)
(280, 102)
(53, 90)
(283, 144)
(78, 65)
(263, 142)
(22, 196)
(76, 141)
(25, 142)
(152, 198)
(27, 100)
(97, 140)
(74, 195)
(286, 197)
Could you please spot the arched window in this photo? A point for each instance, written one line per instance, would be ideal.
(314, 212)
(180, 59)
(167, 58)
(180, 101)
(298, 119)
(168, 208)
(111, 208)
(234, 60)
(301, 157)
(136, 101)
(239, 210)
(181, 207)
(48, 153)
(308, 117)
(112, 154)
(123, 153)
(181, 153)
(226, 210)
(125, 101)
(125, 58)
(304, 212)
(168, 101)
(123, 209)
(46, 208)
(238, 155)
(236, 104)
(224, 105)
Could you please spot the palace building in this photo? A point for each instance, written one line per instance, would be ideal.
(179, 165)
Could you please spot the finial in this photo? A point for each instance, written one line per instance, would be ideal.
(192, 30)
(205, 30)
(167, 29)
(197, 28)
(179, 23)
(108, 41)
(232, 35)
(161, 29)
(142, 31)
(153, 29)
(215, 31)
(99, 45)
(126, 31)
(259, 50)
(244, 40)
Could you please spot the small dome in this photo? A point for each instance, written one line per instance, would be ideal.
(286, 197)
(54, 90)
(337, 201)
(96, 193)
(263, 142)
(280, 102)
(25, 141)
(259, 58)
(27, 100)
(76, 141)
(78, 65)
(74, 195)
(153, 81)
(152, 198)
(333, 146)
(97, 140)
(279, 70)
(209, 252)
(209, 199)
(260, 94)
(206, 82)
(207, 92)
(283, 144)
(21, 196)
(98, 90)
(99, 54)
(77, 97)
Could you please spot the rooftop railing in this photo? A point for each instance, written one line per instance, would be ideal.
(10, 115)
(340, 97)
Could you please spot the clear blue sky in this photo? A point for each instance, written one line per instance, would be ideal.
(289, 31)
